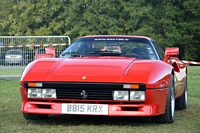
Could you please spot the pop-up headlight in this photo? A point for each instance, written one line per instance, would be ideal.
(120, 95)
(49, 93)
(137, 95)
(34, 93)
(41, 93)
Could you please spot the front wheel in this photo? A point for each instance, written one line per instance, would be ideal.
(35, 116)
(169, 115)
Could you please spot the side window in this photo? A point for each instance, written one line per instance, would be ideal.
(159, 49)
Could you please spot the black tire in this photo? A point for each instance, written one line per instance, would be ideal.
(35, 116)
(169, 115)
(182, 102)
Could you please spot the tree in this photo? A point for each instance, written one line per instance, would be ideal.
(172, 23)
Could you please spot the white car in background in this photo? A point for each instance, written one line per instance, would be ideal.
(14, 56)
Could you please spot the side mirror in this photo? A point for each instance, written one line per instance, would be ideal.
(171, 52)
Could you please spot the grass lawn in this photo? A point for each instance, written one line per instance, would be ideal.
(11, 71)
(12, 121)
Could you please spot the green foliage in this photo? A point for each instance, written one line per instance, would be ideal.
(171, 23)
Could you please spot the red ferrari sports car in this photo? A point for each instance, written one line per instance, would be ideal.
(142, 80)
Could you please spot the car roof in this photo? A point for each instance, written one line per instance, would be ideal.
(15, 50)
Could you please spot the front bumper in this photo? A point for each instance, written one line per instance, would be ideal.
(155, 104)
(113, 110)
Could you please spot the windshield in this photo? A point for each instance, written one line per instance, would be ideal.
(133, 47)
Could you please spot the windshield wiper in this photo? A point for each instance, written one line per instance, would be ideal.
(72, 54)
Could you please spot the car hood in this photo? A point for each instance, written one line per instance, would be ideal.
(99, 69)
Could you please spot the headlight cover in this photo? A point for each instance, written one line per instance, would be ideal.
(120, 95)
(137, 95)
(34, 92)
(41, 93)
(48, 93)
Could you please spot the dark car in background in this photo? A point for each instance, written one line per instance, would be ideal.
(28, 56)
(2, 58)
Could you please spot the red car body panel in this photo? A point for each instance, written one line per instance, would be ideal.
(113, 70)
(155, 74)
(56, 70)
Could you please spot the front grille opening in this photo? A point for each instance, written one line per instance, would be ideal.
(133, 102)
(95, 102)
(113, 102)
(61, 101)
(72, 101)
(44, 106)
(130, 109)
(34, 100)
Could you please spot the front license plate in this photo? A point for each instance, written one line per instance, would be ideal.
(89, 109)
